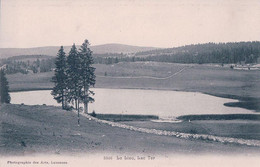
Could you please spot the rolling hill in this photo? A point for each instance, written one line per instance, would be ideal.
(52, 50)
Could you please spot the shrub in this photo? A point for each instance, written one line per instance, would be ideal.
(93, 114)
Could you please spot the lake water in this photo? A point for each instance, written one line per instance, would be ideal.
(145, 102)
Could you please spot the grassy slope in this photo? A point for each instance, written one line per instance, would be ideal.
(220, 81)
(26, 130)
(201, 78)
(18, 82)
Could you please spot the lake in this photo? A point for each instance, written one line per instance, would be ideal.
(137, 101)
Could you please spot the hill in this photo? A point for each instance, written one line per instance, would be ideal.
(52, 50)
(225, 53)
(222, 53)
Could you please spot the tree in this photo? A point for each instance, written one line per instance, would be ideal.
(74, 76)
(4, 88)
(60, 78)
(73, 81)
(87, 74)
(116, 60)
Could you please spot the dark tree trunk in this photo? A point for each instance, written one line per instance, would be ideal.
(62, 98)
(86, 107)
(76, 104)
(85, 101)
(78, 112)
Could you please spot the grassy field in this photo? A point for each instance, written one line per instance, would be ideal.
(22, 82)
(211, 79)
(25, 131)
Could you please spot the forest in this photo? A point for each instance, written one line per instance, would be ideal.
(224, 53)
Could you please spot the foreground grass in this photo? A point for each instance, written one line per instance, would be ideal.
(27, 130)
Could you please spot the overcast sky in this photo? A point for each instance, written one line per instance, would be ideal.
(159, 23)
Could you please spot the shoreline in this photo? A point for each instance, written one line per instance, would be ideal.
(186, 118)
(255, 117)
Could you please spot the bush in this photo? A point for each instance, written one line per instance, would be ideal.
(93, 114)
(68, 108)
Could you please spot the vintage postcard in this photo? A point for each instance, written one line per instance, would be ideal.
(129, 82)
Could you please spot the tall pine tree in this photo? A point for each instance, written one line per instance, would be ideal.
(4, 88)
(60, 78)
(74, 76)
(87, 74)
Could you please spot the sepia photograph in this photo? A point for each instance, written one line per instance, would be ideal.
(129, 82)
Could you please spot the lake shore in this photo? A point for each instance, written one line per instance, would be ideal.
(29, 130)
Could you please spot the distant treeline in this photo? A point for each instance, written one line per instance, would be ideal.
(25, 66)
(225, 53)
(221, 53)
(114, 60)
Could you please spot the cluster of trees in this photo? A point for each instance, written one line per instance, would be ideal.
(74, 75)
(106, 60)
(114, 60)
(24, 66)
(224, 53)
(4, 88)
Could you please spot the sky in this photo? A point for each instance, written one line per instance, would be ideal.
(158, 23)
